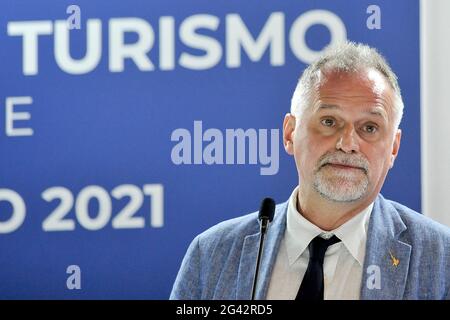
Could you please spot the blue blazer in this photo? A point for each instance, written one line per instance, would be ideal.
(220, 262)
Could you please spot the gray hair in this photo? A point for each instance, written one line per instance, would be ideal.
(345, 57)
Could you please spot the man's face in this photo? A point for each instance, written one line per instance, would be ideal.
(345, 141)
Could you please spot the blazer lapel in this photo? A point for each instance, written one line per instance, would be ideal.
(387, 258)
(249, 254)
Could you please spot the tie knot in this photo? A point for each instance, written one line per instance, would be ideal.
(318, 246)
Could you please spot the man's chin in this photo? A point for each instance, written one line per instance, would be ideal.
(340, 199)
(339, 194)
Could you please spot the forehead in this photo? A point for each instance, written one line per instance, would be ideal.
(364, 89)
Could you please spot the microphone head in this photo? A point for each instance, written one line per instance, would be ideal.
(267, 209)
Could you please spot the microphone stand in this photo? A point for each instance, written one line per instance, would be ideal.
(263, 229)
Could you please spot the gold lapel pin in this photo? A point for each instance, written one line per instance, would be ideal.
(395, 261)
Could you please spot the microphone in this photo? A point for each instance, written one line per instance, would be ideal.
(265, 216)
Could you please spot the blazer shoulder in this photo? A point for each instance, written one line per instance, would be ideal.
(229, 229)
(206, 256)
(234, 230)
(212, 252)
(421, 227)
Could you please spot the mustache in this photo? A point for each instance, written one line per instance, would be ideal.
(357, 161)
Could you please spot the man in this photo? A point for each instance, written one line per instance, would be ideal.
(336, 237)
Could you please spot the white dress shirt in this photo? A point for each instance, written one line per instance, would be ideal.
(343, 263)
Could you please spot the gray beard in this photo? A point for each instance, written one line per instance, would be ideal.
(340, 186)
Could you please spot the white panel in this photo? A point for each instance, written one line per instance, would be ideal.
(435, 108)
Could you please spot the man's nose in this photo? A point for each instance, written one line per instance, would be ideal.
(348, 141)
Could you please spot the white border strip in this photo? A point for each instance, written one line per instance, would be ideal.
(435, 108)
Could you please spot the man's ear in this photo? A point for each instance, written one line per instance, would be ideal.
(395, 147)
(288, 133)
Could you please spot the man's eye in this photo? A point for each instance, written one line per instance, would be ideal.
(370, 129)
(328, 122)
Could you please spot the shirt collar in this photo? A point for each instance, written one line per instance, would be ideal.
(300, 232)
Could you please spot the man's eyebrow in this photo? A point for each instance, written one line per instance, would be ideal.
(327, 106)
(377, 111)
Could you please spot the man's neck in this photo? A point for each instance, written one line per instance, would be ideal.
(328, 215)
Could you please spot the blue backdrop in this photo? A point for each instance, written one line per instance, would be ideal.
(101, 139)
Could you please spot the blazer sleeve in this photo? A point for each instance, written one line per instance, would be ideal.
(187, 285)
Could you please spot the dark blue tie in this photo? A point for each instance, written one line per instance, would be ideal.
(312, 284)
